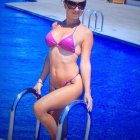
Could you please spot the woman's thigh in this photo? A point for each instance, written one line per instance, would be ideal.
(59, 98)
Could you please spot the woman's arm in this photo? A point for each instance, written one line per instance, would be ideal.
(46, 67)
(45, 71)
(44, 74)
(85, 66)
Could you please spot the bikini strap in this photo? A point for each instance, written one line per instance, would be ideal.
(74, 29)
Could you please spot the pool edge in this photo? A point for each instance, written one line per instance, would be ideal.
(53, 20)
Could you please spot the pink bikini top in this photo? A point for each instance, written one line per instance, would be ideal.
(67, 43)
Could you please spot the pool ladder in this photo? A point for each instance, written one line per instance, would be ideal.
(98, 15)
(62, 121)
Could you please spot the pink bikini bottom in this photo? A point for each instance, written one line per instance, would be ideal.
(67, 81)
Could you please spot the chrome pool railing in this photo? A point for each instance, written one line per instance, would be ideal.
(97, 15)
(62, 120)
(64, 116)
(13, 113)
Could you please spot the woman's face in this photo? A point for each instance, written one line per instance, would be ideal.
(74, 8)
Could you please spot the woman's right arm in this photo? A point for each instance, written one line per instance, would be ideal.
(44, 74)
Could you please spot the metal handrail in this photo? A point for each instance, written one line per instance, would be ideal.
(61, 120)
(89, 20)
(65, 114)
(96, 13)
(13, 112)
(92, 12)
(102, 20)
(83, 16)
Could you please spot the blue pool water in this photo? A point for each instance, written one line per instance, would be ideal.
(114, 82)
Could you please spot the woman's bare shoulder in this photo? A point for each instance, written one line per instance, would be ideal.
(54, 24)
(86, 31)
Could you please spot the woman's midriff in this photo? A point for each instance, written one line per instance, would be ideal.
(63, 74)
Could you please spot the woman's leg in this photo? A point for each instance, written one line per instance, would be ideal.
(54, 101)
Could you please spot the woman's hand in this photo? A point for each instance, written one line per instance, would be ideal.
(89, 101)
(38, 87)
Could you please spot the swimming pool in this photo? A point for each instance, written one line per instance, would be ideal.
(115, 81)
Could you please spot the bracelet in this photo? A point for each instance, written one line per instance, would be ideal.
(40, 83)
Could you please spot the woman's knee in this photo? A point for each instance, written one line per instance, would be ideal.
(37, 109)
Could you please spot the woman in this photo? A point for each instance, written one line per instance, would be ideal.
(67, 40)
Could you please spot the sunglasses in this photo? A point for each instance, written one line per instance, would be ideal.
(73, 5)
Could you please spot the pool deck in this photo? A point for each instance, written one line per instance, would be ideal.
(121, 21)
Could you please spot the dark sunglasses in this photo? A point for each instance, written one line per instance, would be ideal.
(73, 5)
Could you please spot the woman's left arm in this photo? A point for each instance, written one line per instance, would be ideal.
(85, 67)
